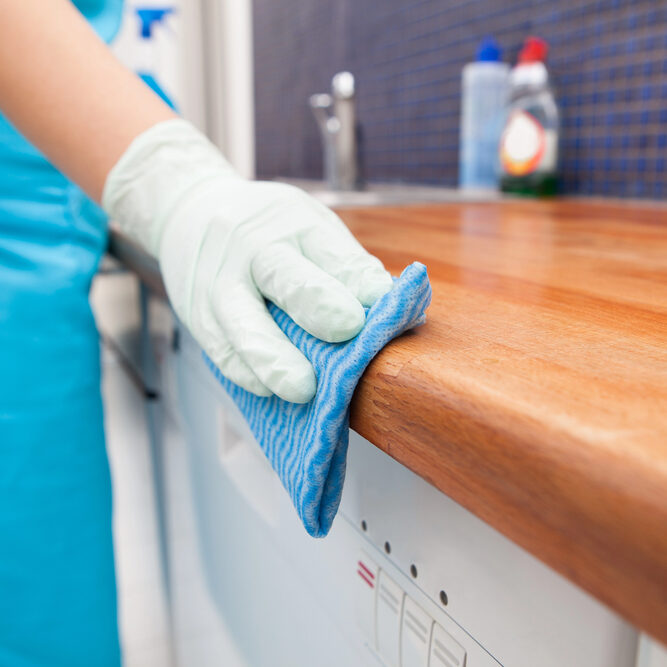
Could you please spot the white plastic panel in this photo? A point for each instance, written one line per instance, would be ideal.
(651, 653)
(415, 635)
(388, 616)
(366, 577)
(445, 650)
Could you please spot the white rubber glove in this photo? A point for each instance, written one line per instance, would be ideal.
(225, 243)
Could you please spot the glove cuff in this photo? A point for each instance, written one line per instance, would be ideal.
(153, 174)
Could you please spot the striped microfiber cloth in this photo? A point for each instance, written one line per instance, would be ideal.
(307, 444)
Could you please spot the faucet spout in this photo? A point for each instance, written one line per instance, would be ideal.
(336, 118)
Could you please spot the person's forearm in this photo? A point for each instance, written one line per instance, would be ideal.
(63, 89)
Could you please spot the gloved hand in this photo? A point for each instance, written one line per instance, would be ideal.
(224, 243)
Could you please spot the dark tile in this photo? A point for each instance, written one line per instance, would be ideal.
(608, 62)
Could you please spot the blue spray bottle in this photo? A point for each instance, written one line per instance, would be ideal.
(149, 17)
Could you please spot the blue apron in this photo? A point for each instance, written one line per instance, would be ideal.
(57, 584)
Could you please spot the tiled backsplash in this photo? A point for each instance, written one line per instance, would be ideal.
(608, 63)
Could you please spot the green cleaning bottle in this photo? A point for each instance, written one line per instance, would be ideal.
(529, 142)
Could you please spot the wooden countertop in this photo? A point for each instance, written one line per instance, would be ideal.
(536, 394)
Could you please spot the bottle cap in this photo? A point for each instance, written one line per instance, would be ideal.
(489, 51)
(534, 51)
(149, 16)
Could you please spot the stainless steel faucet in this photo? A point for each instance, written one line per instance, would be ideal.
(335, 115)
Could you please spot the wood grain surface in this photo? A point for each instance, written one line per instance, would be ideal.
(536, 394)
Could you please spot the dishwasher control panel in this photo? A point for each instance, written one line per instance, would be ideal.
(397, 627)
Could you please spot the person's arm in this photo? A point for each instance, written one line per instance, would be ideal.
(62, 88)
(224, 244)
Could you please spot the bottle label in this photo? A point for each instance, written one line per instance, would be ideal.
(522, 144)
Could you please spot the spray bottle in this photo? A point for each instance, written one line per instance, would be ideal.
(147, 65)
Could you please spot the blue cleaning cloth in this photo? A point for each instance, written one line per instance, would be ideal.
(307, 444)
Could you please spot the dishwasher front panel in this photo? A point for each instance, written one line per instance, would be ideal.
(405, 576)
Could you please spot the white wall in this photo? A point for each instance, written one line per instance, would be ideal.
(227, 42)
